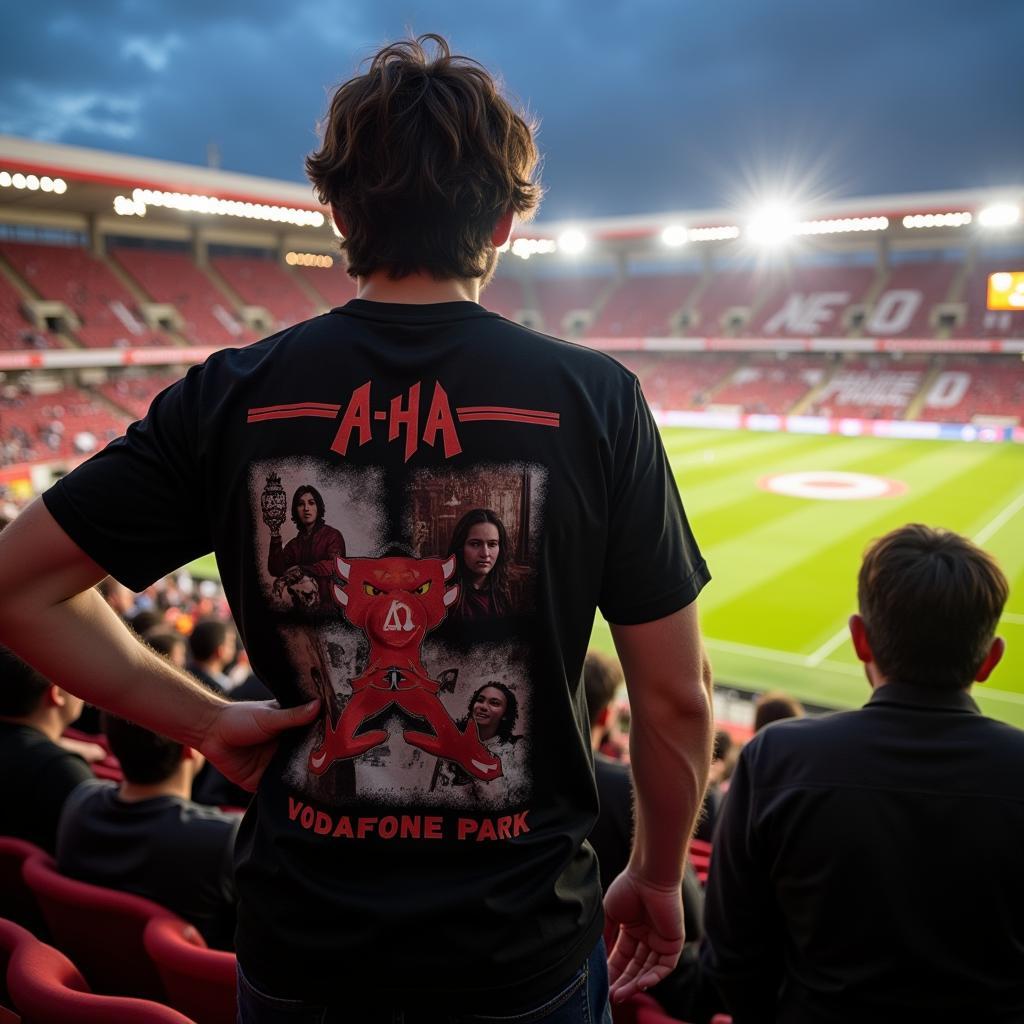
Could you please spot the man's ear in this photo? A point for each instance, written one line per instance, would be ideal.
(994, 656)
(54, 697)
(861, 644)
(338, 222)
(603, 716)
(503, 228)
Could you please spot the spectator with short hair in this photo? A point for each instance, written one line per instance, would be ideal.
(867, 865)
(775, 706)
(212, 645)
(148, 837)
(38, 773)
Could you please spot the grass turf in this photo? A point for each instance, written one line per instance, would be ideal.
(785, 568)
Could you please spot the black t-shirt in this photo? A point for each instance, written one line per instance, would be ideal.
(396, 425)
(38, 775)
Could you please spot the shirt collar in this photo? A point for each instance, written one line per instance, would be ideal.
(934, 698)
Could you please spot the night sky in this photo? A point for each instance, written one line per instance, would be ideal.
(645, 106)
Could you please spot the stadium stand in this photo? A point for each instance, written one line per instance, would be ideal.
(63, 424)
(645, 306)
(266, 283)
(766, 384)
(567, 305)
(16, 332)
(674, 381)
(905, 305)
(814, 302)
(878, 388)
(966, 388)
(332, 284)
(134, 394)
(727, 291)
(107, 312)
(505, 295)
(171, 277)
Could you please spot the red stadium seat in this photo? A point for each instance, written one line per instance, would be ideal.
(17, 902)
(46, 988)
(100, 928)
(198, 981)
(641, 1009)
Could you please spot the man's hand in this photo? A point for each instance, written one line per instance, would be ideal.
(644, 933)
(241, 738)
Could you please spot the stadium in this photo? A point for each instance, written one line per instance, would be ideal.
(819, 375)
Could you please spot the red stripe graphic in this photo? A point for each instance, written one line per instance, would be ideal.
(506, 417)
(295, 405)
(291, 414)
(538, 413)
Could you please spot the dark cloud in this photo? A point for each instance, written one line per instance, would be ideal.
(643, 105)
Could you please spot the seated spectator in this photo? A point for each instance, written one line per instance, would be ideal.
(212, 645)
(38, 773)
(612, 835)
(148, 837)
(867, 865)
(775, 706)
(718, 777)
(170, 644)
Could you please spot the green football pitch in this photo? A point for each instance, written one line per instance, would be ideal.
(784, 568)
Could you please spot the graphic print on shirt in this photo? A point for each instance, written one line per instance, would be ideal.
(308, 514)
(414, 649)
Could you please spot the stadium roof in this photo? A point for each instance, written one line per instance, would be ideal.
(103, 183)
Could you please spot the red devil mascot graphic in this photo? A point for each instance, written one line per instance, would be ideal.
(396, 601)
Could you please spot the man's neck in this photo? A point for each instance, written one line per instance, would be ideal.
(178, 785)
(49, 725)
(417, 289)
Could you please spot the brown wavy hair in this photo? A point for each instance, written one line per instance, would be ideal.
(421, 157)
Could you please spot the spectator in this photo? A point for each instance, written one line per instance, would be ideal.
(147, 837)
(171, 645)
(867, 866)
(212, 645)
(775, 706)
(722, 756)
(38, 773)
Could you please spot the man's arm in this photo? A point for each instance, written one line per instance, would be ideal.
(669, 682)
(51, 617)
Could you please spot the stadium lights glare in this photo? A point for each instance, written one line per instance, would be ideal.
(842, 224)
(937, 220)
(713, 234)
(524, 248)
(674, 235)
(141, 198)
(772, 226)
(32, 182)
(999, 215)
(308, 259)
(572, 242)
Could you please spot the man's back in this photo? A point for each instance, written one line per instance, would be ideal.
(38, 776)
(403, 420)
(168, 849)
(869, 861)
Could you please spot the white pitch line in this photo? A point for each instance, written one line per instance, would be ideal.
(984, 691)
(815, 659)
(1017, 620)
(990, 528)
(769, 654)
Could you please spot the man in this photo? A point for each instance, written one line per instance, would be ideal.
(38, 773)
(146, 836)
(867, 867)
(212, 647)
(362, 891)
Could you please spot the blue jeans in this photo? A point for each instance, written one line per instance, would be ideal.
(583, 1001)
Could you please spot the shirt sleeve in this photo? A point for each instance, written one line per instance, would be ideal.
(653, 566)
(138, 507)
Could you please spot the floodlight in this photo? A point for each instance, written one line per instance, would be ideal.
(60, 186)
(999, 215)
(674, 235)
(5, 179)
(572, 242)
(772, 226)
